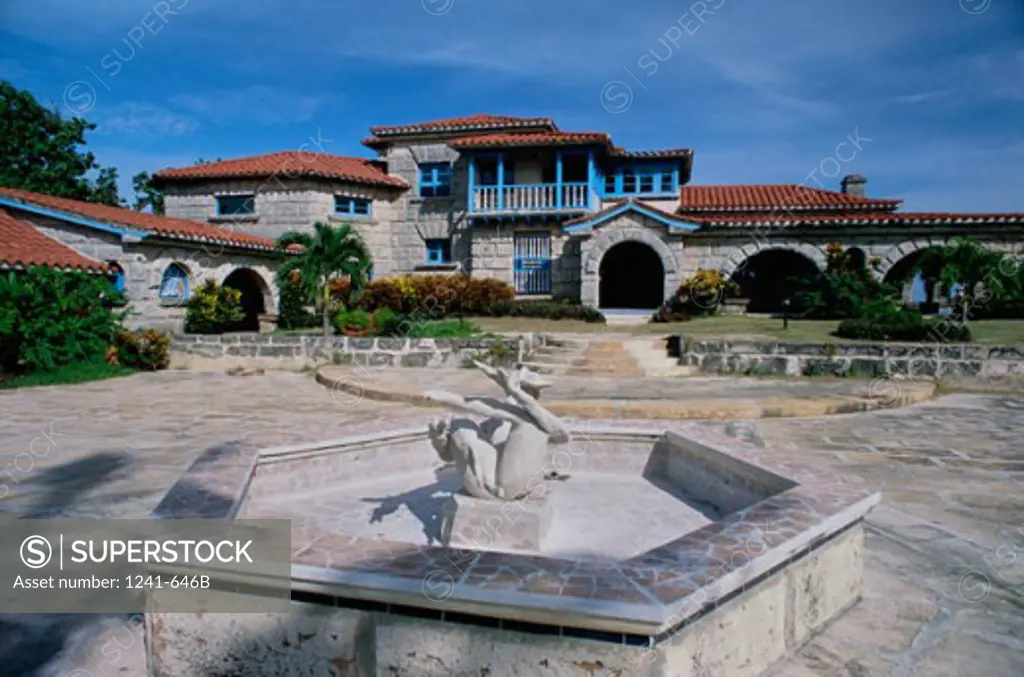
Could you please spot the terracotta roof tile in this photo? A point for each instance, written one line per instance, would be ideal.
(531, 139)
(290, 164)
(657, 153)
(166, 226)
(478, 121)
(23, 245)
(773, 198)
(857, 218)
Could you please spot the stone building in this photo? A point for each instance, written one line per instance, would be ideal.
(156, 261)
(566, 214)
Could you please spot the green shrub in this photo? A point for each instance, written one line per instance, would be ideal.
(50, 318)
(292, 312)
(435, 296)
(549, 310)
(213, 309)
(842, 290)
(143, 349)
(354, 321)
(673, 310)
(884, 320)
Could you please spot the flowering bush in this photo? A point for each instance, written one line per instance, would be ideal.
(213, 309)
(434, 296)
(700, 294)
(145, 349)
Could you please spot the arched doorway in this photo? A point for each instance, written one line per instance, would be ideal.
(255, 295)
(914, 289)
(631, 277)
(773, 275)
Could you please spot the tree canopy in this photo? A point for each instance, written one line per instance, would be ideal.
(40, 150)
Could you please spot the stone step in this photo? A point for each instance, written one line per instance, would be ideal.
(543, 368)
(566, 360)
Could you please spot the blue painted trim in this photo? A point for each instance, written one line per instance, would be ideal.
(435, 170)
(351, 211)
(640, 209)
(439, 250)
(501, 181)
(592, 179)
(558, 179)
(218, 198)
(472, 181)
(71, 218)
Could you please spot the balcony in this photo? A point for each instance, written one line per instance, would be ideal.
(531, 198)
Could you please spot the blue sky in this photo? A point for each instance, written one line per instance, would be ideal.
(763, 92)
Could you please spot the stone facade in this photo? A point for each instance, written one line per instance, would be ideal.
(865, 360)
(145, 262)
(282, 204)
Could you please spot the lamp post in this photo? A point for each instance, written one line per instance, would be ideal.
(785, 313)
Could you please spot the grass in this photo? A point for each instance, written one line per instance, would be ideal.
(69, 374)
(1008, 332)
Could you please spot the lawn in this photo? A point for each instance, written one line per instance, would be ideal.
(1009, 332)
(72, 373)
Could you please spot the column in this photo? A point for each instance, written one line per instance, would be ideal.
(591, 179)
(501, 181)
(559, 198)
(472, 184)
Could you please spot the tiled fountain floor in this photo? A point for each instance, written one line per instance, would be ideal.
(944, 585)
(594, 515)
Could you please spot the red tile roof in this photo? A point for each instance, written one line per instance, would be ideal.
(774, 198)
(615, 204)
(531, 139)
(854, 219)
(290, 163)
(479, 121)
(653, 154)
(23, 245)
(164, 226)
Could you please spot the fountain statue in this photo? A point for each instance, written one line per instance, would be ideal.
(497, 458)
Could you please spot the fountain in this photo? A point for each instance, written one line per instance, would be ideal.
(507, 541)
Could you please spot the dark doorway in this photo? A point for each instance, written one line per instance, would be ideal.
(253, 304)
(631, 277)
(770, 277)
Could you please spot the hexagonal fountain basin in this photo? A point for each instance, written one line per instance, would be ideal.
(652, 532)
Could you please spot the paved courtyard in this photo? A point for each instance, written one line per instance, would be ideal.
(944, 586)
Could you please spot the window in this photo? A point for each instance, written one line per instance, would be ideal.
(351, 206)
(628, 182)
(116, 275)
(439, 251)
(609, 184)
(435, 179)
(174, 285)
(236, 205)
(645, 183)
(668, 185)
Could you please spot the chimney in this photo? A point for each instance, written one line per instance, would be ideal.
(854, 184)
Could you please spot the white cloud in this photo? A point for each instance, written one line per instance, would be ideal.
(142, 119)
(257, 103)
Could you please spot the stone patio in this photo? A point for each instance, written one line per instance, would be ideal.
(943, 593)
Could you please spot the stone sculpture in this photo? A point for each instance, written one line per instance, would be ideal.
(497, 458)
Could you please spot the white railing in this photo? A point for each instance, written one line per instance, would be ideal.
(535, 197)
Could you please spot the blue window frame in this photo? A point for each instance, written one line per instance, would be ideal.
(640, 180)
(236, 205)
(439, 250)
(351, 206)
(116, 275)
(174, 284)
(435, 179)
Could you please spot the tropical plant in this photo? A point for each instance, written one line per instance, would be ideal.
(965, 265)
(325, 254)
(213, 309)
(50, 318)
(843, 290)
(144, 349)
(147, 194)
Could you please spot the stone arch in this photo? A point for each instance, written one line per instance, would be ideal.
(897, 253)
(771, 275)
(605, 239)
(257, 296)
(738, 259)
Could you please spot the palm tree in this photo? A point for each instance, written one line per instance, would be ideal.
(326, 254)
(965, 265)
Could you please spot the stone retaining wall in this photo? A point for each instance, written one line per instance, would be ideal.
(296, 352)
(866, 360)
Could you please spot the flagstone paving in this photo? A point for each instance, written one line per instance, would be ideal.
(944, 586)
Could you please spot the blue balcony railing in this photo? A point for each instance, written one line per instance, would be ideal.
(531, 198)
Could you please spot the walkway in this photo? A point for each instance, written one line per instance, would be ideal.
(944, 584)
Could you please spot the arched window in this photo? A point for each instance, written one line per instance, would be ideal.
(174, 285)
(116, 275)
